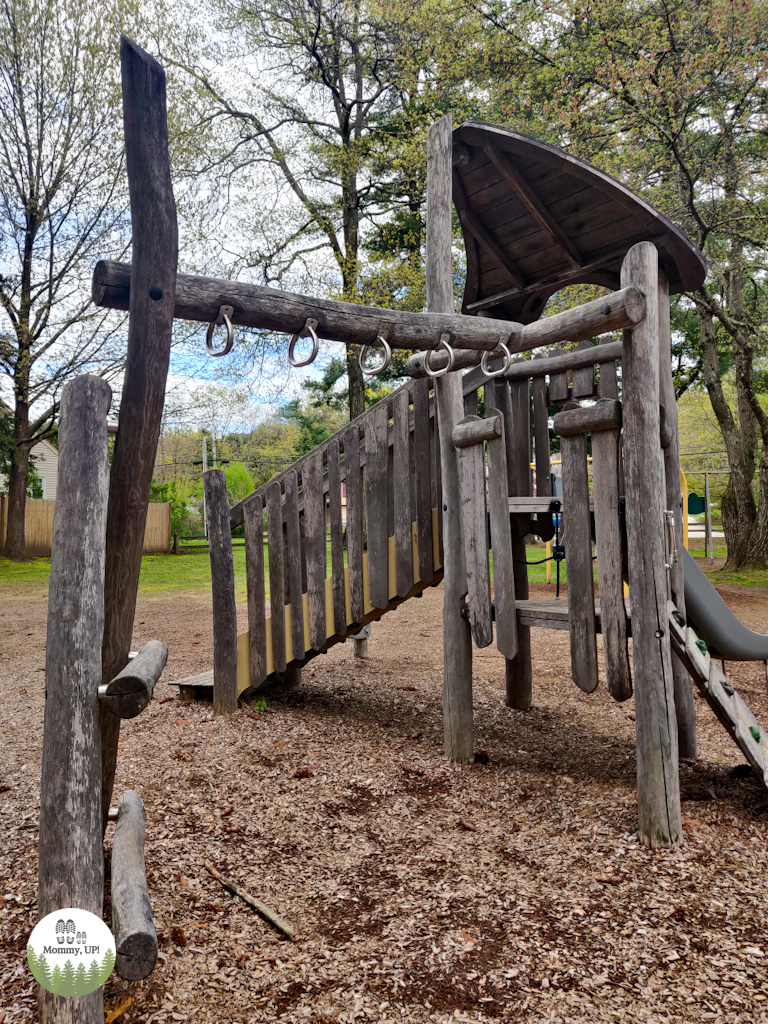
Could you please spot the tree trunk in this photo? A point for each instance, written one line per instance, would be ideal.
(356, 382)
(15, 539)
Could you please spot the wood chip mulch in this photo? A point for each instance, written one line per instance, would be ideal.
(513, 889)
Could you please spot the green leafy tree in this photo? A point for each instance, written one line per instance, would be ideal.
(81, 980)
(94, 975)
(240, 482)
(56, 980)
(107, 963)
(67, 987)
(672, 97)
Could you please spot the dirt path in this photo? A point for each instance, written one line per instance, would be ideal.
(510, 890)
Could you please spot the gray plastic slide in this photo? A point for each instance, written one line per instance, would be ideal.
(714, 621)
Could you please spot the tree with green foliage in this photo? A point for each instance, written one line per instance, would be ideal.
(670, 96)
(67, 986)
(240, 482)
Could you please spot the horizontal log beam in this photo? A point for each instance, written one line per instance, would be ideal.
(522, 369)
(472, 430)
(132, 923)
(604, 415)
(199, 298)
(131, 690)
(615, 312)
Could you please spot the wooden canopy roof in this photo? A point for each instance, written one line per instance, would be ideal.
(536, 219)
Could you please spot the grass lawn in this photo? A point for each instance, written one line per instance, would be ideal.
(191, 570)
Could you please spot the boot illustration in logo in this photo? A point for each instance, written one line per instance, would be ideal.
(60, 930)
(70, 931)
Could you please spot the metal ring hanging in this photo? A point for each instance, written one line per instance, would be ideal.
(308, 328)
(224, 317)
(443, 343)
(504, 366)
(387, 356)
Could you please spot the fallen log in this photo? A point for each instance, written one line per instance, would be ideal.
(132, 923)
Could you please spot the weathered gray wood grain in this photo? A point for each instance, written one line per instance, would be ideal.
(422, 469)
(314, 539)
(376, 453)
(474, 532)
(131, 690)
(253, 519)
(274, 503)
(337, 539)
(584, 377)
(70, 860)
(223, 592)
(132, 921)
(402, 489)
(501, 544)
(658, 789)
(293, 558)
(354, 523)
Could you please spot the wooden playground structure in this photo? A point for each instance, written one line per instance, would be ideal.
(435, 493)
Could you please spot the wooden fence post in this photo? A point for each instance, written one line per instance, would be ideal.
(457, 640)
(71, 862)
(685, 708)
(152, 301)
(658, 787)
(223, 590)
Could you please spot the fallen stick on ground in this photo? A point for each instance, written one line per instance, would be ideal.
(258, 906)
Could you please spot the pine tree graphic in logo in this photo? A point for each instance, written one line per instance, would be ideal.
(71, 952)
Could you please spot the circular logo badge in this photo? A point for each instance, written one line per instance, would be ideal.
(71, 952)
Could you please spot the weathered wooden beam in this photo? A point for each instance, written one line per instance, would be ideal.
(223, 589)
(132, 922)
(614, 312)
(472, 430)
(604, 415)
(199, 298)
(685, 708)
(457, 639)
(131, 690)
(153, 271)
(553, 282)
(486, 239)
(658, 787)
(70, 860)
(534, 205)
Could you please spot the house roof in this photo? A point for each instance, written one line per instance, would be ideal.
(535, 219)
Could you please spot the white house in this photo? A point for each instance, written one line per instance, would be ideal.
(46, 459)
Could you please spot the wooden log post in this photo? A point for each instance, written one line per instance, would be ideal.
(132, 922)
(685, 708)
(131, 690)
(457, 639)
(152, 300)
(658, 789)
(71, 863)
(223, 591)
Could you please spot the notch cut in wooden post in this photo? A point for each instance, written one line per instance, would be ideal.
(132, 922)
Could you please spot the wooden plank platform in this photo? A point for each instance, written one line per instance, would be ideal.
(550, 614)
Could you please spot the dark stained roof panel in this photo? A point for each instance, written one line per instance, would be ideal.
(536, 219)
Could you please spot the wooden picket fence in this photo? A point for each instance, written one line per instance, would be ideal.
(39, 526)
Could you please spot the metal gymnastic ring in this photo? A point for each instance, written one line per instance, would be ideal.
(309, 327)
(224, 317)
(443, 343)
(387, 357)
(504, 366)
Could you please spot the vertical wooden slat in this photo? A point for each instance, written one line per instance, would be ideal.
(541, 437)
(337, 538)
(402, 495)
(376, 502)
(354, 523)
(501, 544)
(223, 589)
(253, 522)
(422, 469)
(457, 639)
(293, 562)
(390, 478)
(685, 709)
(658, 785)
(558, 383)
(274, 504)
(578, 553)
(605, 479)
(609, 385)
(475, 538)
(437, 464)
(314, 534)
(518, 670)
(584, 378)
(470, 404)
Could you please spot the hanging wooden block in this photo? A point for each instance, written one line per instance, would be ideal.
(473, 524)
(501, 546)
(402, 495)
(558, 383)
(584, 378)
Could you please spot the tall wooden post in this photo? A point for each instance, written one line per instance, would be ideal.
(658, 788)
(685, 708)
(152, 301)
(223, 591)
(457, 640)
(71, 862)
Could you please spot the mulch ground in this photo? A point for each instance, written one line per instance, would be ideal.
(513, 889)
